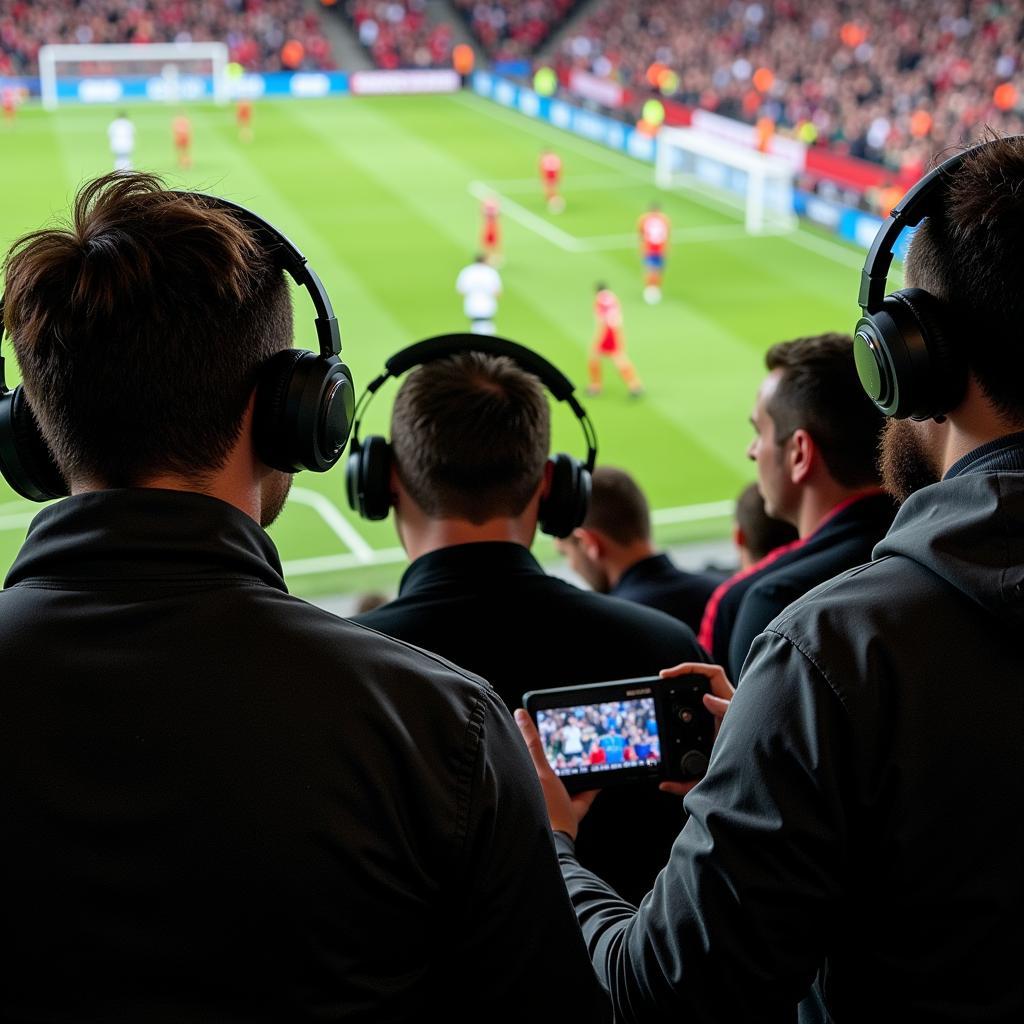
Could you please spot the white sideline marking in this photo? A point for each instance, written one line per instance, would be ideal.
(693, 513)
(331, 515)
(18, 521)
(529, 220)
(627, 165)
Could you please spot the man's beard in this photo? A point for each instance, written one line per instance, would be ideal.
(276, 486)
(905, 463)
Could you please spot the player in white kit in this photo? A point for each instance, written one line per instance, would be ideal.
(121, 133)
(480, 286)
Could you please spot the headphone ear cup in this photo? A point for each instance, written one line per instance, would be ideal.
(26, 461)
(568, 496)
(368, 478)
(304, 410)
(906, 362)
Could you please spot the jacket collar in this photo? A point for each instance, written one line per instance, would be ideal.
(487, 559)
(1003, 454)
(651, 567)
(135, 534)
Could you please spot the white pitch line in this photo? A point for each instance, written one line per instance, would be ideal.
(339, 563)
(331, 515)
(18, 521)
(693, 513)
(528, 220)
(627, 165)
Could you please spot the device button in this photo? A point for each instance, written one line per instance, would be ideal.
(693, 762)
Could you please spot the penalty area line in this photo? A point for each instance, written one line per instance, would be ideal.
(523, 216)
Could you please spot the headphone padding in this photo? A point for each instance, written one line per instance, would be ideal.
(946, 374)
(568, 496)
(368, 478)
(32, 471)
(270, 432)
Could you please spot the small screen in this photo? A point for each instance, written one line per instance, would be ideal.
(610, 736)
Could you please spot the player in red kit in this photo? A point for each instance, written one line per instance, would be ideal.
(9, 102)
(551, 177)
(181, 128)
(243, 115)
(490, 234)
(609, 343)
(655, 235)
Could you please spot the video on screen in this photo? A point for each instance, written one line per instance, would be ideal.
(591, 738)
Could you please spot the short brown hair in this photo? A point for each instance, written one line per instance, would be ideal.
(969, 252)
(140, 329)
(618, 507)
(761, 532)
(470, 436)
(820, 392)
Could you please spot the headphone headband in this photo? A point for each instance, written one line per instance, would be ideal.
(443, 345)
(917, 204)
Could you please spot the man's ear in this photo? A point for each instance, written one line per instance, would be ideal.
(545, 480)
(394, 485)
(801, 456)
(591, 542)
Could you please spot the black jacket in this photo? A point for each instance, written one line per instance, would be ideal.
(844, 540)
(491, 608)
(220, 803)
(861, 815)
(658, 583)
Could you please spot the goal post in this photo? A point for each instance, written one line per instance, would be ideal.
(762, 184)
(173, 71)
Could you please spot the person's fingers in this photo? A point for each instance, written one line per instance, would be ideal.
(582, 801)
(716, 705)
(718, 681)
(677, 788)
(533, 743)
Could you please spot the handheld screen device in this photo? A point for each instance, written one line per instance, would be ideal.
(605, 734)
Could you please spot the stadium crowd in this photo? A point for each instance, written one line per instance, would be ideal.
(513, 29)
(396, 33)
(888, 82)
(262, 35)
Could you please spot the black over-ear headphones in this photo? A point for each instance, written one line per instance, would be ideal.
(906, 361)
(368, 472)
(304, 401)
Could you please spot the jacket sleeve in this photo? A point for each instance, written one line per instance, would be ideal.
(518, 946)
(737, 922)
(760, 605)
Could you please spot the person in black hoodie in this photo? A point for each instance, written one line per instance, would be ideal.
(859, 824)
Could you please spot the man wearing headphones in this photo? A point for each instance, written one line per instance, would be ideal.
(219, 802)
(469, 477)
(859, 822)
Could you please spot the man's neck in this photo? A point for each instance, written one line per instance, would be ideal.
(622, 559)
(819, 503)
(433, 534)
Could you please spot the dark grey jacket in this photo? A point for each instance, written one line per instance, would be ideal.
(860, 820)
(222, 804)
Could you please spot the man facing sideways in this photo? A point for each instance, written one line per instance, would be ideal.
(614, 553)
(859, 822)
(469, 467)
(220, 802)
(816, 450)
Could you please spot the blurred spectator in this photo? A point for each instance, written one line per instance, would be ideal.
(256, 31)
(756, 533)
(396, 33)
(816, 448)
(613, 552)
(367, 602)
(469, 464)
(511, 29)
(889, 82)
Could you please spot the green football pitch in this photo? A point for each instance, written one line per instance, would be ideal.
(383, 197)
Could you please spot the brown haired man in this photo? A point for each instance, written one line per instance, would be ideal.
(219, 802)
(470, 441)
(816, 450)
(614, 553)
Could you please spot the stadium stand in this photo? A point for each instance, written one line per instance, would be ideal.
(256, 31)
(398, 34)
(509, 29)
(888, 82)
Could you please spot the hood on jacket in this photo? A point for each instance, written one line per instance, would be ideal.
(968, 530)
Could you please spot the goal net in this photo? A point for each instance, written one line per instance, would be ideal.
(116, 72)
(760, 184)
